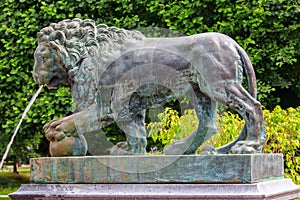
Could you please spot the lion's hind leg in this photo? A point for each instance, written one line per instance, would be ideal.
(205, 108)
(250, 109)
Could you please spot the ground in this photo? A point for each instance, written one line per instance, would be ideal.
(10, 181)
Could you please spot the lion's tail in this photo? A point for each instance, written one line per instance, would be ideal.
(252, 89)
(249, 70)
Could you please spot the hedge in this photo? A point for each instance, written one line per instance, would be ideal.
(267, 29)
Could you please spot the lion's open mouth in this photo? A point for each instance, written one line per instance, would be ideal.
(53, 83)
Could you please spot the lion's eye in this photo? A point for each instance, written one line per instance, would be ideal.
(43, 59)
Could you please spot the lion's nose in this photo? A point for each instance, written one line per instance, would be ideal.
(36, 78)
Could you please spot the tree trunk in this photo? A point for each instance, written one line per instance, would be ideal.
(15, 164)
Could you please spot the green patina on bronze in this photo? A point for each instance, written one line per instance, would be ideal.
(246, 168)
(116, 74)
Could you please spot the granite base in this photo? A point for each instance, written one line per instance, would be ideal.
(277, 189)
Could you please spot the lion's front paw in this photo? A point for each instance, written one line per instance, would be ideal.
(64, 147)
(246, 147)
(58, 129)
(68, 146)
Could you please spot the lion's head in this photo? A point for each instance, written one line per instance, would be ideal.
(48, 67)
(63, 47)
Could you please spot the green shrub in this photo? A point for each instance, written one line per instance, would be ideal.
(229, 126)
(283, 136)
(283, 133)
(172, 127)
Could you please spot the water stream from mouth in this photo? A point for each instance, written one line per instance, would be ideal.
(18, 126)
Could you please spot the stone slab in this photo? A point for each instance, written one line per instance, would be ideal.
(247, 168)
(278, 189)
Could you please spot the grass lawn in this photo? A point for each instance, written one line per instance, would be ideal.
(10, 181)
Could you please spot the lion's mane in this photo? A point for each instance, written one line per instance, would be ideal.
(78, 39)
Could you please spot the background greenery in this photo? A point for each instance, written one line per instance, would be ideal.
(283, 127)
(267, 29)
(11, 182)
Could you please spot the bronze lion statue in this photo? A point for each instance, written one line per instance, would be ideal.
(115, 75)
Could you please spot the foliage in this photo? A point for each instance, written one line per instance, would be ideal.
(267, 29)
(229, 125)
(283, 136)
(172, 127)
(282, 126)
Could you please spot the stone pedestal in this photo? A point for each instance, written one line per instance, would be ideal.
(248, 168)
(279, 189)
(255, 176)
